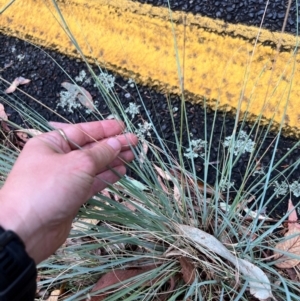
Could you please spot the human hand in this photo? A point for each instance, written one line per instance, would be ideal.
(52, 178)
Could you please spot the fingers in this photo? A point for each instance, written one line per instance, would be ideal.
(92, 161)
(122, 159)
(83, 133)
(110, 152)
(106, 178)
(127, 142)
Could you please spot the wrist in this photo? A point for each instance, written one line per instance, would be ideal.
(16, 219)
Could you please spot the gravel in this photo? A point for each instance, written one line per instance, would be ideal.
(47, 70)
(248, 12)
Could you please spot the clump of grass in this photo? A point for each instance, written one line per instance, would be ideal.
(137, 224)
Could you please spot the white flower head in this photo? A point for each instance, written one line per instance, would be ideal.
(295, 188)
(81, 76)
(241, 145)
(69, 101)
(225, 184)
(196, 149)
(20, 57)
(143, 130)
(107, 80)
(133, 109)
(280, 188)
(131, 82)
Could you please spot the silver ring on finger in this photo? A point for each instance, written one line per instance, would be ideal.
(63, 134)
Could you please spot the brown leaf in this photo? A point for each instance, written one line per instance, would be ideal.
(290, 244)
(129, 205)
(116, 197)
(188, 270)
(23, 136)
(292, 274)
(177, 197)
(210, 191)
(86, 99)
(162, 173)
(84, 224)
(18, 81)
(163, 186)
(117, 276)
(5, 126)
(105, 192)
(164, 295)
(293, 218)
(7, 65)
(25, 133)
(3, 115)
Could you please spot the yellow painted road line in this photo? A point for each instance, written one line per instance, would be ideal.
(136, 40)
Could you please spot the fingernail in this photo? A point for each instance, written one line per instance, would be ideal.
(114, 143)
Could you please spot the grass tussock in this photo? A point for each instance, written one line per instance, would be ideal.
(171, 230)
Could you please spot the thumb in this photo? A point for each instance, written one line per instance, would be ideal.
(101, 155)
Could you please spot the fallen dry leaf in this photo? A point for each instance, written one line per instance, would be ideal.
(188, 270)
(256, 215)
(54, 295)
(105, 192)
(3, 118)
(7, 65)
(177, 197)
(258, 281)
(290, 244)
(292, 274)
(3, 115)
(86, 100)
(163, 173)
(163, 186)
(117, 276)
(18, 81)
(210, 191)
(84, 224)
(116, 198)
(130, 206)
(25, 134)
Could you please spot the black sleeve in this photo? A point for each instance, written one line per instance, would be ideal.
(17, 270)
